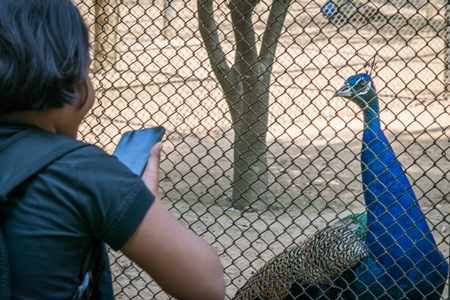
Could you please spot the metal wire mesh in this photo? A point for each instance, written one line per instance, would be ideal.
(151, 67)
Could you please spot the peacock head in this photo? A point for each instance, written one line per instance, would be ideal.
(359, 89)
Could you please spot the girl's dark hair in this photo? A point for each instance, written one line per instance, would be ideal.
(44, 53)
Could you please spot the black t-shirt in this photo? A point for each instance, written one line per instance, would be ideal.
(50, 219)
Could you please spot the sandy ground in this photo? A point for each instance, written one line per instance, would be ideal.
(315, 179)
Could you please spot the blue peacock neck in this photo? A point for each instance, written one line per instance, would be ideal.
(395, 221)
(371, 119)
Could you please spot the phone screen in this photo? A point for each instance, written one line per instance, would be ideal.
(134, 147)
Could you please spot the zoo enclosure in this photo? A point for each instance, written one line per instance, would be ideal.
(151, 68)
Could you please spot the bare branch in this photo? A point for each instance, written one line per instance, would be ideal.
(275, 24)
(241, 16)
(208, 30)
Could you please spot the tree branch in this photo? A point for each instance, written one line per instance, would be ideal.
(208, 30)
(244, 32)
(275, 24)
(228, 78)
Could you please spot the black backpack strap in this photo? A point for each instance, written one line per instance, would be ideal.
(5, 289)
(26, 154)
(29, 152)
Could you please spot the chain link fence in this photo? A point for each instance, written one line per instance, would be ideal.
(152, 66)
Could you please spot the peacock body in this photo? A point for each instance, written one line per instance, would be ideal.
(317, 259)
(398, 237)
(396, 257)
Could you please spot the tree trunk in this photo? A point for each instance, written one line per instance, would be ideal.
(105, 35)
(250, 178)
(246, 90)
(167, 16)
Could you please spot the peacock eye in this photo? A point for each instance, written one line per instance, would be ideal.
(362, 84)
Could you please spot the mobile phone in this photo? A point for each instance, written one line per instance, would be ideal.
(134, 147)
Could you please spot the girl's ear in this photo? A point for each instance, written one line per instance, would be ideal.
(82, 91)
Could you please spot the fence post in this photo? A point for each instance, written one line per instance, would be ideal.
(447, 56)
(105, 35)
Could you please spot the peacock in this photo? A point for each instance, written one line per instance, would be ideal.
(396, 256)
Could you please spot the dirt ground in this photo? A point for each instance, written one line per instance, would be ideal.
(314, 139)
(315, 179)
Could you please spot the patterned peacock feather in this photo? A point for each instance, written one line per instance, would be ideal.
(318, 258)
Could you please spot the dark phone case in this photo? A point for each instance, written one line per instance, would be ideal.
(134, 147)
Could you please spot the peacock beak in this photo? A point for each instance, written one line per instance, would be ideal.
(344, 91)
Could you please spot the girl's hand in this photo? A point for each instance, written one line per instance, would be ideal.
(151, 172)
